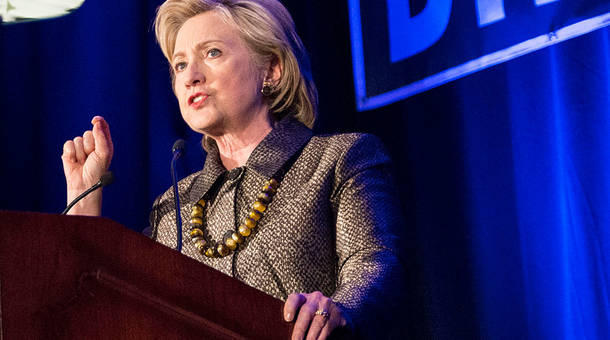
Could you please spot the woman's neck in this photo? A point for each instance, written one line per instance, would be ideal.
(236, 147)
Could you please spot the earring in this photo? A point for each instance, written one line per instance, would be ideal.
(267, 88)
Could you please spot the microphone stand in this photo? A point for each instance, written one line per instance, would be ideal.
(177, 152)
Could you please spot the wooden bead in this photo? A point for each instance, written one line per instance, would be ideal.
(209, 252)
(197, 239)
(196, 233)
(255, 215)
(237, 238)
(201, 202)
(250, 223)
(200, 245)
(264, 197)
(197, 207)
(273, 183)
(244, 231)
(259, 206)
(197, 213)
(230, 242)
(197, 221)
(223, 250)
(269, 189)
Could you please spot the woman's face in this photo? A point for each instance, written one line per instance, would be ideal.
(217, 82)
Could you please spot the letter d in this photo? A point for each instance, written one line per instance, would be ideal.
(411, 35)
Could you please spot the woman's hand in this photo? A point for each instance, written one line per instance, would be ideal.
(85, 160)
(318, 315)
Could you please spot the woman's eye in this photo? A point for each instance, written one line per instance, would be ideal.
(180, 66)
(214, 52)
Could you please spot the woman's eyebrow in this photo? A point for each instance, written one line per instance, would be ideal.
(198, 46)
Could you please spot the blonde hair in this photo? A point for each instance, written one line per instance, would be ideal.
(269, 32)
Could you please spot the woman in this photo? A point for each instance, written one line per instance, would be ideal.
(307, 219)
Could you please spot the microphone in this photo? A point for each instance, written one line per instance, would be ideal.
(105, 180)
(177, 152)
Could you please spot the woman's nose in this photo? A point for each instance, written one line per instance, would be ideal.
(194, 74)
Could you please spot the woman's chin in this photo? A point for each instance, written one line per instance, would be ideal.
(199, 121)
(207, 128)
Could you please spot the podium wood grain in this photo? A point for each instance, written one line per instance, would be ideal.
(72, 277)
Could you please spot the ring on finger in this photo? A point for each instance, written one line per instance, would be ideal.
(323, 313)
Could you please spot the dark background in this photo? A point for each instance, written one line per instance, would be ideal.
(504, 174)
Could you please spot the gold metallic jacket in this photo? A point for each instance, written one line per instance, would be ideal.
(331, 226)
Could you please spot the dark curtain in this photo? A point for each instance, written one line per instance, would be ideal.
(504, 174)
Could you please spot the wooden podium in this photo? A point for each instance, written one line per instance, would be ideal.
(73, 277)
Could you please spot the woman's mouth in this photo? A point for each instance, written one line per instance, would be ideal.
(197, 100)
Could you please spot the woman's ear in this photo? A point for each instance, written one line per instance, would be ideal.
(274, 73)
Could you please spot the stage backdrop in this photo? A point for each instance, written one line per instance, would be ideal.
(504, 173)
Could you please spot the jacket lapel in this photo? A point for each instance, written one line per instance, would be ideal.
(270, 155)
(284, 141)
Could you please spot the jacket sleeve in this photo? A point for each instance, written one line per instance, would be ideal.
(367, 211)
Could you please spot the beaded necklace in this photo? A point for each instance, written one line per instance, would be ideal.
(232, 239)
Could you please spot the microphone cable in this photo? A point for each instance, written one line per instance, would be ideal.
(105, 180)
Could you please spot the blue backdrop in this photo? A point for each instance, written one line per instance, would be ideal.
(505, 174)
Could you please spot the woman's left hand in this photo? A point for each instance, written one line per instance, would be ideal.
(317, 315)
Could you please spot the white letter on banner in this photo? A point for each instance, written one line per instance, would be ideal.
(543, 2)
(411, 35)
(490, 11)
